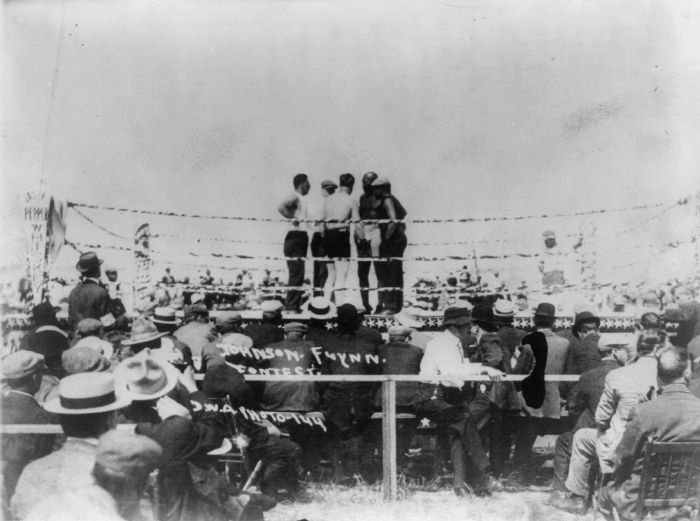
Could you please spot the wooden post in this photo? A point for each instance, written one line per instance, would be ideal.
(389, 483)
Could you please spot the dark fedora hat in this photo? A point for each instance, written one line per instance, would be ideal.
(545, 309)
(88, 261)
(585, 316)
(44, 310)
(456, 316)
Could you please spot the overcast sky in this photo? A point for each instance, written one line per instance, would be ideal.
(471, 108)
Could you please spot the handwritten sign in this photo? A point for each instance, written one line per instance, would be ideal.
(318, 352)
(313, 419)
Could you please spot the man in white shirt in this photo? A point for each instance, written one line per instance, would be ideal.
(296, 242)
(337, 210)
(444, 355)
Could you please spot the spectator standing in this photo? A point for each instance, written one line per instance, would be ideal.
(296, 242)
(89, 299)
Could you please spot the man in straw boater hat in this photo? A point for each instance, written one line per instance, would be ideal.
(321, 312)
(89, 299)
(166, 321)
(20, 374)
(445, 402)
(123, 464)
(87, 407)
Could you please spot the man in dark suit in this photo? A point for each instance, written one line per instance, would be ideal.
(399, 356)
(582, 403)
(347, 406)
(50, 341)
(269, 329)
(672, 417)
(89, 299)
(687, 316)
(21, 373)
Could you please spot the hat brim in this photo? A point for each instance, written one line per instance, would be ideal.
(83, 270)
(545, 315)
(54, 406)
(331, 313)
(171, 376)
(588, 319)
(154, 336)
(173, 322)
(408, 321)
(457, 321)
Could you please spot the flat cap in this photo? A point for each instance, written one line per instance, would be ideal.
(126, 455)
(20, 364)
(295, 327)
(328, 183)
(271, 306)
(228, 319)
(84, 359)
(548, 234)
(380, 181)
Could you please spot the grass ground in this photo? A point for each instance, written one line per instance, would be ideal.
(329, 502)
(430, 501)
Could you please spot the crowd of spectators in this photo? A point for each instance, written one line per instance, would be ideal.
(106, 371)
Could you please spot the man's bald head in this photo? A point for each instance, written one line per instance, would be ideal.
(673, 365)
(367, 181)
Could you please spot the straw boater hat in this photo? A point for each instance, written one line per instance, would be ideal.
(87, 393)
(320, 308)
(165, 316)
(504, 308)
(142, 331)
(88, 261)
(144, 377)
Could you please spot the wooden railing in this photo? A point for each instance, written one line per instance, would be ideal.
(389, 464)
